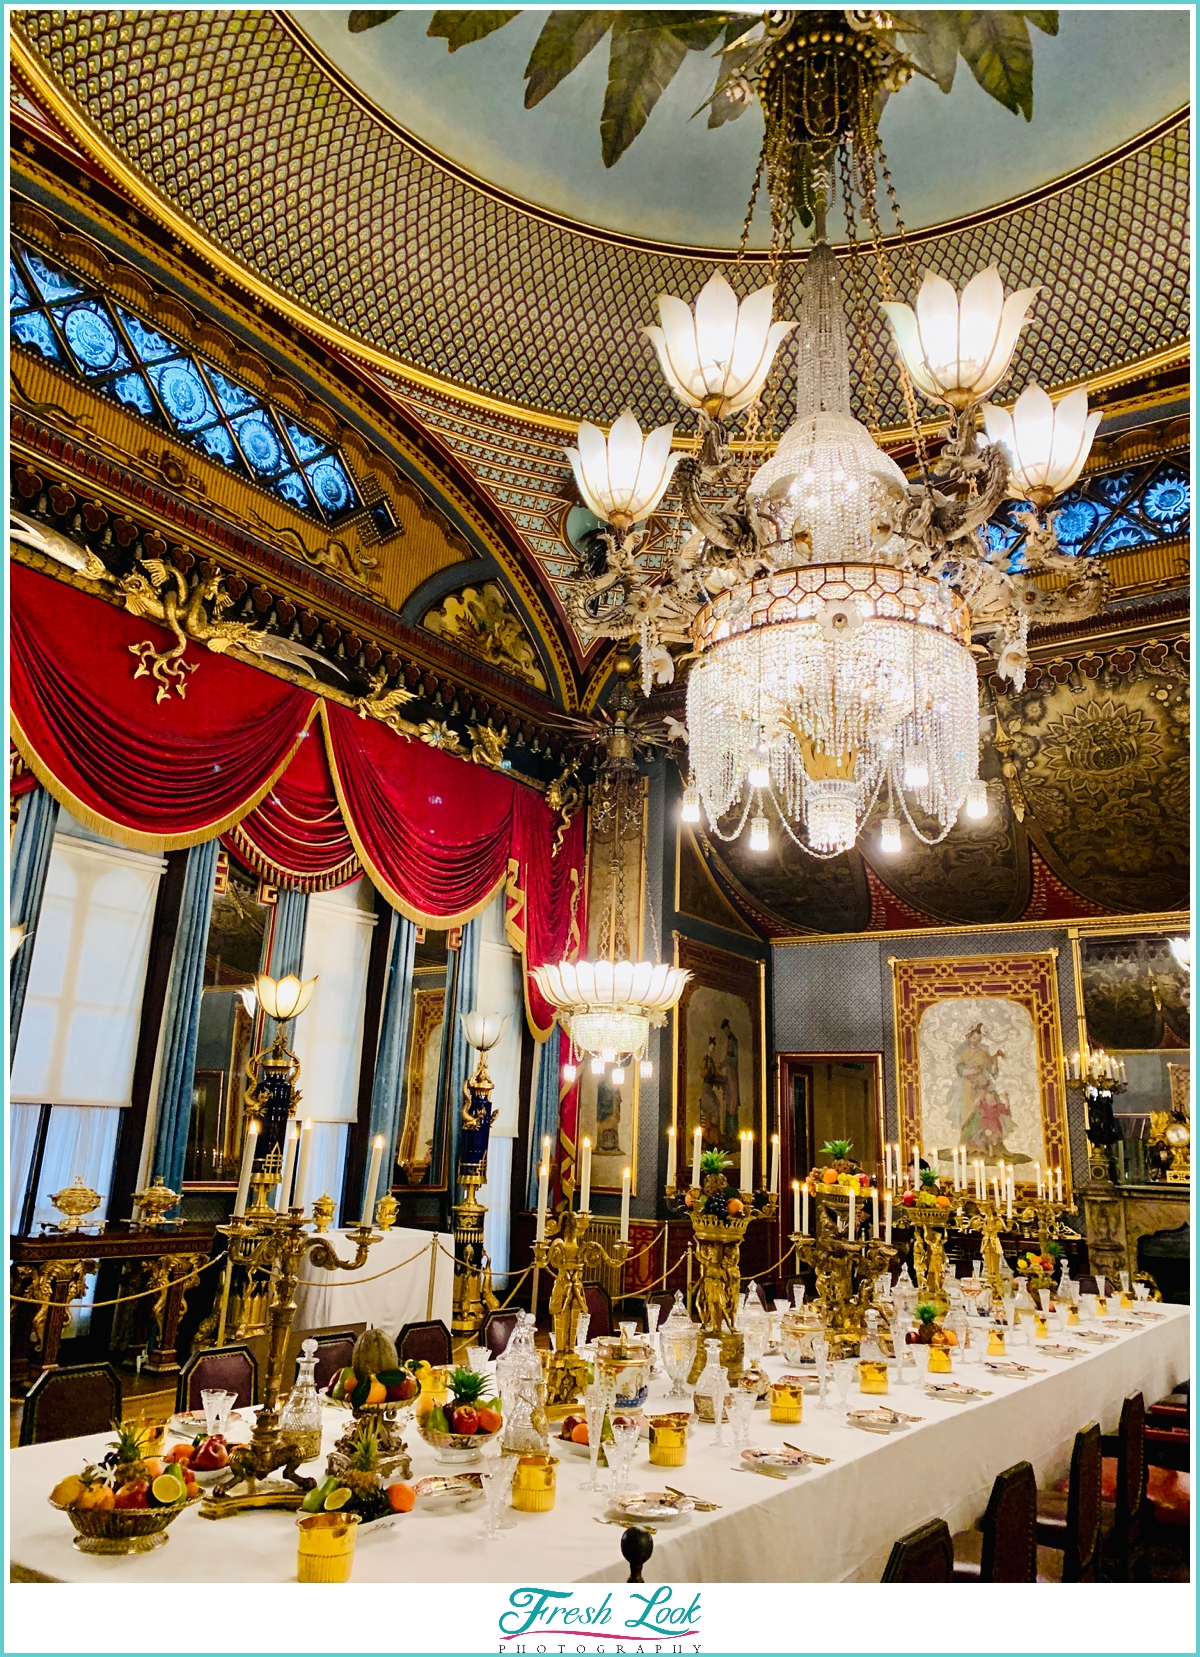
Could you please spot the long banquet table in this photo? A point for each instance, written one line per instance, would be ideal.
(829, 1524)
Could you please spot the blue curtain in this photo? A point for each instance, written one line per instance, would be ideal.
(31, 844)
(286, 954)
(387, 1092)
(460, 998)
(545, 1108)
(181, 1024)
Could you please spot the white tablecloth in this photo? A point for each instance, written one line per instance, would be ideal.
(830, 1524)
(386, 1302)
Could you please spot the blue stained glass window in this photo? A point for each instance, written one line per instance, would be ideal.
(292, 489)
(183, 393)
(260, 443)
(33, 329)
(307, 446)
(132, 389)
(216, 441)
(1124, 532)
(1114, 489)
(1168, 498)
(234, 399)
(52, 283)
(92, 337)
(331, 485)
(149, 346)
(1075, 522)
(18, 294)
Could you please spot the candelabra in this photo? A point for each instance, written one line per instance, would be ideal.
(1039, 1217)
(1099, 1078)
(272, 1246)
(846, 1267)
(568, 1251)
(719, 1222)
(985, 1216)
(473, 1297)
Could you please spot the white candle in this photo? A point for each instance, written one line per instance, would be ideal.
(795, 1205)
(543, 1194)
(585, 1178)
(916, 1169)
(875, 1213)
(1037, 1178)
(804, 1211)
(1060, 1184)
(672, 1149)
(850, 1219)
(283, 1200)
(243, 1190)
(775, 1163)
(887, 1218)
(887, 1164)
(747, 1140)
(1009, 1191)
(306, 1139)
(368, 1213)
(696, 1143)
(625, 1184)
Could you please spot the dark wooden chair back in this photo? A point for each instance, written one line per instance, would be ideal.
(1083, 1506)
(1010, 1527)
(498, 1331)
(924, 1555)
(600, 1308)
(218, 1369)
(335, 1348)
(1131, 1461)
(68, 1403)
(429, 1340)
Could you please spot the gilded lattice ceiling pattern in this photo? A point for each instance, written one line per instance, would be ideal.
(227, 116)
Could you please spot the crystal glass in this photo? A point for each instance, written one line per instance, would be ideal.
(596, 1399)
(1141, 1291)
(217, 1408)
(843, 1375)
(497, 1472)
(956, 1322)
(798, 1295)
(741, 1408)
(820, 1347)
(1044, 1298)
(479, 1359)
(581, 1330)
(300, 1423)
(755, 1328)
(714, 1383)
(678, 1338)
(625, 1430)
(1087, 1308)
(1124, 1276)
(897, 1329)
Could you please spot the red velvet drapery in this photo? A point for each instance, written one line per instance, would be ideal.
(303, 800)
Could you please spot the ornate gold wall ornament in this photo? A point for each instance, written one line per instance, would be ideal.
(47, 410)
(384, 704)
(564, 797)
(441, 735)
(172, 470)
(40, 1283)
(481, 621)
(488, 745)
(342, 558)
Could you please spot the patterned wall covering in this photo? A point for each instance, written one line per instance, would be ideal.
(837, 998)
(226, 115)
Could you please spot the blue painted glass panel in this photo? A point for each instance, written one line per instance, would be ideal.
(33, 329)
(183, 393)
(132, 389)
(1112, 490)
(260, 443)
(93, 337)
(234, 399)
(52, 283)
(216, 441)
(331, 485)
(1124, 532)
(18, 293)
(1167, 500)
(292, 489)
(150, 347)
(1075, 522)
(307, 446)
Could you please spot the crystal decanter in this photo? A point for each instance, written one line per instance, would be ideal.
(300, 1423)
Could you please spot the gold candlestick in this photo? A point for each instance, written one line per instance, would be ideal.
(846, 1268)
(566, 1251)
(719, 1235)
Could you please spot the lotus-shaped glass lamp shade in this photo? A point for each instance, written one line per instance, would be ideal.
(717, 358)
(607, 1007)
(1181, 949)
(483, 1030)
(622, 477)
(958, 350)
(1046, 443)
(283, 998)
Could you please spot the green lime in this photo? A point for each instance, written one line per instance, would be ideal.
(337, 1499)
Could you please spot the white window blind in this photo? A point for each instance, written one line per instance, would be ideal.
(79, 1029)
(329, 1033)
(498, 990)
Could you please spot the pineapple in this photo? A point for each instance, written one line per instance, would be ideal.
(466, 1387)
(362, 1473)
(839, 1150)
(127, 1449)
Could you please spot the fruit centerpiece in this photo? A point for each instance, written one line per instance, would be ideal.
(459, 1426)
(1038, 1267)
(125, 1504)
(843, 1173)
(357, 1484)
(377, 1388)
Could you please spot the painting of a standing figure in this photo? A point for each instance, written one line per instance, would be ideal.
(719, 1054)
(982, 1111)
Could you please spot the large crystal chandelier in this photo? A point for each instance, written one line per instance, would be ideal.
(828, 604)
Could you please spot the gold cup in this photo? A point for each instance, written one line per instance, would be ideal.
(1041, 1329)
(995, 1346)
(787, 1401)
(1101, 1306)
(939, 1362)
(1073, 1317)
(534, 1484)
(326, 1546)
(668, 1440)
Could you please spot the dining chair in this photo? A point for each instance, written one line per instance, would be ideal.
(600, 1309)
(498, 1331)
(70, 1402)
(429, 1340)
(1068, 1523)
(923, 1555)
(1124, 1473)
(218, 1369)
(1003, 1548)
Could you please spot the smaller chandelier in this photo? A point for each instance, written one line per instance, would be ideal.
(608, 1008)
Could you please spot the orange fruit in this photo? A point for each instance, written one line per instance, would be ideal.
(579, 1434)
(378, 1392)
(943, 1202)
(191, 1490)
(734, 1205)
(181, 1452)
(830, 1176)
(490, 1421)
(402, 1497)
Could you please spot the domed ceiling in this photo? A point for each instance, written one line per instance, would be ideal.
(949, 155)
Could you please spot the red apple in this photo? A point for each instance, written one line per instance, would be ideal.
(465, 1419)
(909, 1198)
(211, 1456)
(134, 1494)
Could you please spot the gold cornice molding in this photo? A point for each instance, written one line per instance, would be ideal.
(1162, 920)
(45, 89)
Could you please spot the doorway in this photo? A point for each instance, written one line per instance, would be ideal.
(826, 1096)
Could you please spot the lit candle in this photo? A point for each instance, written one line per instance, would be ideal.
(672, 1149)
(850, 1219)
(875, 1213)
(1058, 1171)
(887, 1164)
(775, 1163)
(696, 1143)
(795, 1205)
(1009, 1187)
(747, 1140)
(283, 1200)
(804, 1209)
(585, 1178)
(625, 1183)
(1037, 1178)
(916, 1169)
(306, 1139)
(543, 1195)
(368, 1212)
(243, 1190)
(887, 1218)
